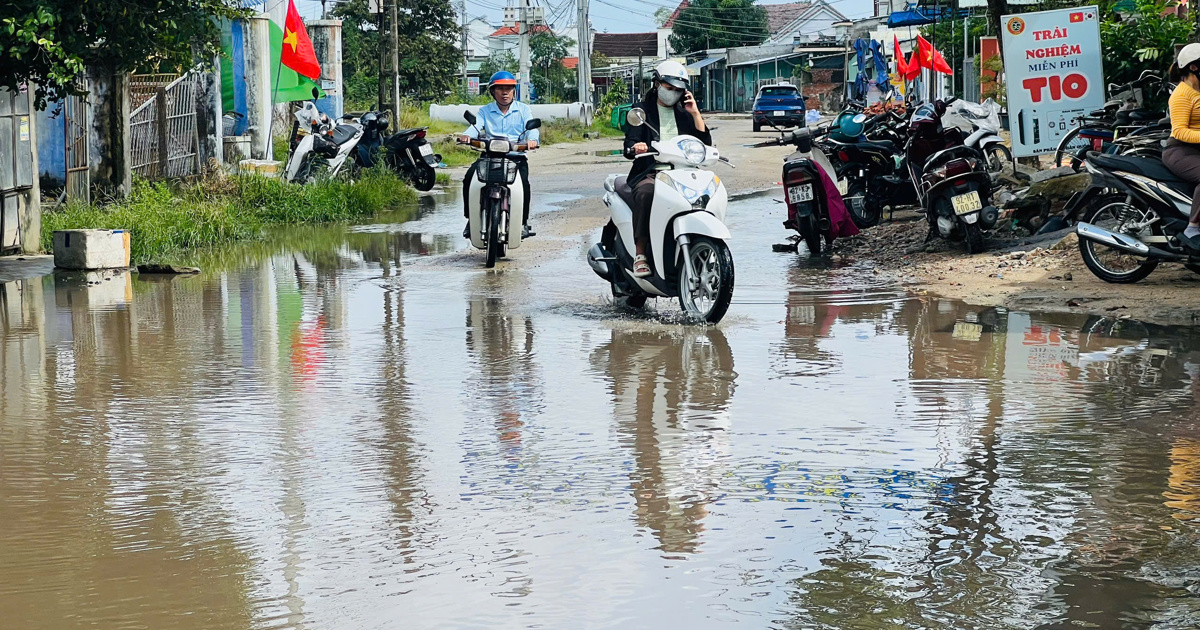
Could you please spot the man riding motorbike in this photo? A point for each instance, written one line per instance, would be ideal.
(672, 111)
(503, 117)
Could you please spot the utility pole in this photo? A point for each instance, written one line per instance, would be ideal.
(523, 26)
(378, 6)
(462, 6)
(395, 66)
(585, 55)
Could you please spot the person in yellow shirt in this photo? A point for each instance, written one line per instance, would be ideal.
(1182, 154)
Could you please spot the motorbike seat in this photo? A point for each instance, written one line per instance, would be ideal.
(624, 191)
(1144, 115)
(1154, 169)
(880, 145)
(408, 132)
(343, 133)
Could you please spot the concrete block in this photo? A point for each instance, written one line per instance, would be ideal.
(91, 249)
(269, 168)
(237, 148)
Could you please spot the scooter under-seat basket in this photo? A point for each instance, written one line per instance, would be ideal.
(496, 171)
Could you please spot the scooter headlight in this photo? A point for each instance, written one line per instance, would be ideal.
(693, 151)
(499, 146)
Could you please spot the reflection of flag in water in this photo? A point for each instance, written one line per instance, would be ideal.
(1077, 17)
(308, 349)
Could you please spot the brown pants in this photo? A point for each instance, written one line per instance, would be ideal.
(1184, 161)
(643, 198)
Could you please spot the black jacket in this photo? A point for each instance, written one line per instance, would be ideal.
(633, 135)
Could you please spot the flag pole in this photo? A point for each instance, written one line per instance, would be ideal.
(271, 124)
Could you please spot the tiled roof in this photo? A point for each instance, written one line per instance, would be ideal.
(780, 15)
(679, 9)
(512, 30)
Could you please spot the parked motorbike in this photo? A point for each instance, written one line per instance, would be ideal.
(1131, 217)
(326, 147)
(807, 200)
(953, 185)
(407, 152)
(496, 194)
(869, 166)
(984, 119)
(688, 252)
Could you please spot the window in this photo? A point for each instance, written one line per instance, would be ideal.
(778, 91)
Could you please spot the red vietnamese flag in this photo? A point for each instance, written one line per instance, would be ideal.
(1077, 17)
(901, 65)
(930, 58)
(298, 53)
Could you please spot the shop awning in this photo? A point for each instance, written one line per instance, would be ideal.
(695, 66)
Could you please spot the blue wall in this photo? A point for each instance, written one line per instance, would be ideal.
(52, 157)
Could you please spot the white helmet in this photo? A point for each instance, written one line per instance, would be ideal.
(674, 73)
(1188, 56)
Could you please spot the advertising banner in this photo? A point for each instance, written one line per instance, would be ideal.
(1054, 72)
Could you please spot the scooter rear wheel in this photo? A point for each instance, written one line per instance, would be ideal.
(811, 232)
(424, 178)
(1109, 264)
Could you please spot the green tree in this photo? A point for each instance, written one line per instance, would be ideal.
(1144, 41)
(361, 46)
(497, 61)
(430, 63)
(719, 24)
(546, 53)
(51, 42)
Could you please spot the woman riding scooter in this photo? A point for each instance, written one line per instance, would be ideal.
(503, 117)
(670, 111)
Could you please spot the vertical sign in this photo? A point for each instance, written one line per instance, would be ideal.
(1053, 71)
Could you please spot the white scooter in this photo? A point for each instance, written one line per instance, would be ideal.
(689, 257)
(496, 194)
(326, 145)
(984, 121)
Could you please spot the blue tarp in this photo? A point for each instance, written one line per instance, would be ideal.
(918, 16)
(881, 66)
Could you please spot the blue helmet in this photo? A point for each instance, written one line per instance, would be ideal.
(503, 77)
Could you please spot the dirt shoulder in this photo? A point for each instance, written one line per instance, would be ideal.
(1046, 274)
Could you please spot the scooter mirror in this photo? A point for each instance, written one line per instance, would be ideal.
(636, 117)
(533, 123)
(469, 117)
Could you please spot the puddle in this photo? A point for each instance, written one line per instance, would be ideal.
(326, 436)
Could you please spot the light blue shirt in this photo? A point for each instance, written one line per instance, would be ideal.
(510, 125)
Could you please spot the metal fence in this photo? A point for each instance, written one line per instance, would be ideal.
(75, 143)
(143, 87)
(164, 139)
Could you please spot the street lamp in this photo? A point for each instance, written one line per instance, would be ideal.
(846, 24)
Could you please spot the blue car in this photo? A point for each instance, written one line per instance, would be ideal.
(780, 105)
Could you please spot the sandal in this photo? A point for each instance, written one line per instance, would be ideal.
(640, 268)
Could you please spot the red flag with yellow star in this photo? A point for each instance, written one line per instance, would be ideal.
(298, 53)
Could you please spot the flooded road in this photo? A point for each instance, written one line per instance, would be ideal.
(364, 429)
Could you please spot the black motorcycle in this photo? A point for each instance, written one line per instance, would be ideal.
(1131, 217)
(874, 177)
(952, 180)
(407, 152)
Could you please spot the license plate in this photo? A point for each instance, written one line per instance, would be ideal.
(425, 149)
(967, 203)
(843, 186)
(800, 194)
(780, 113)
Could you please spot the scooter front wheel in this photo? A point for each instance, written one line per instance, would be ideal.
(493, 233)
(707, 296)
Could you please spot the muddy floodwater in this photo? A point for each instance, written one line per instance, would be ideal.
(362, 428)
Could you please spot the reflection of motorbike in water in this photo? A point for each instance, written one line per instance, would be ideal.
(671, 402)
(502, 346)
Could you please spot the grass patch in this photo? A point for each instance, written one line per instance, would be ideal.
(169, 223)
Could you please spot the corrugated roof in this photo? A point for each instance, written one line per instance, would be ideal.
(626, 44)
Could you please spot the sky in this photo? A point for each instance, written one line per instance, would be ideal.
(611, 16)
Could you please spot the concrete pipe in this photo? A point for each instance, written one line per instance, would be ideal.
(553, 111)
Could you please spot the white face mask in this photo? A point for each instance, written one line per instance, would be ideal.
(669, 97)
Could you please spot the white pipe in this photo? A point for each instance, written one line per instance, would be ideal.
(553, 111)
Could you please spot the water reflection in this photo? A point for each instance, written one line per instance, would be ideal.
(329, 436)
(671, 391)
